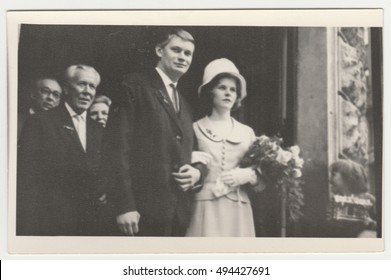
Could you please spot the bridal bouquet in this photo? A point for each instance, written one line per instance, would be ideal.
(280, 167)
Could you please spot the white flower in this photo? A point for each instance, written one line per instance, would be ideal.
(295, 150)
(262, 139)
(284, 157)
(275, 147)
(296, 173)
(299, 162)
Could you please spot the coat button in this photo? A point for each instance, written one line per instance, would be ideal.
(178, 138)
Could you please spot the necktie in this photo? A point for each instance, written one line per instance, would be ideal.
(175, 98)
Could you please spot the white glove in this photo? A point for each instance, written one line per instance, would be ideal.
(220, 189)
(201, 157)
(239, 176)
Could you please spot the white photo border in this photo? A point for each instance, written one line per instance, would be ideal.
(119, 245)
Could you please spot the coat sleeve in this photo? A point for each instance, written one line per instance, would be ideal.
(117, 147)
(200, 166)
(29, 163)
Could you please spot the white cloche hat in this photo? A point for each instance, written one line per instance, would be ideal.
(222, 65)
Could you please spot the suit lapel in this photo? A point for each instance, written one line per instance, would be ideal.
(162, 94)
(67, 127)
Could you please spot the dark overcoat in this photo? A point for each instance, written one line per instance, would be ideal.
(148, 142)
(58, 182)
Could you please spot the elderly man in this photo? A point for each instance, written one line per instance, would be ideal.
(58, 163)
(151, 145)
(45, 95)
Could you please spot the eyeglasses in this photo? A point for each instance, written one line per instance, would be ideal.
(47, 91)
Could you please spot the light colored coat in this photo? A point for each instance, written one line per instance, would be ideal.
(226, 155)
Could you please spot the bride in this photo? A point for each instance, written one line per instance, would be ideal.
(222, 207)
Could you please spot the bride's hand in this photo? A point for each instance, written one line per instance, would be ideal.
(239, 176)
(228, 178)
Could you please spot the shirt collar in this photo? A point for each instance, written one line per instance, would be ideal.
(166, 80)
(73, 113)
(31, 111)
(207, 129)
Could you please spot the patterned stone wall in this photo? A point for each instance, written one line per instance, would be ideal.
(353, 93)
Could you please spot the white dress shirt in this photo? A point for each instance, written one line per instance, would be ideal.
(31, 111)
(167, 83)
(79, 121)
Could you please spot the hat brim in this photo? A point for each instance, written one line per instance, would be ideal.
(240, 77)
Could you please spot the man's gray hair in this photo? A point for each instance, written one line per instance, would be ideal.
(71, 71)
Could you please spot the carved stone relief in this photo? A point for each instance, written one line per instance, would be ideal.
(353, 88)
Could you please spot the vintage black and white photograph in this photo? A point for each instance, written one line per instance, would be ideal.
(196, 132)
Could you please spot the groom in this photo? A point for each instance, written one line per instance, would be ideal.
(151, 140)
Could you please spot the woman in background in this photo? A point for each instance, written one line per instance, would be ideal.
(353, 207)
(99, 110)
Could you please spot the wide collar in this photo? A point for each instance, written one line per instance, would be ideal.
(235, 136)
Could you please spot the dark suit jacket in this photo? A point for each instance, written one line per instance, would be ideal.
(149, 141)
(57, 181)
(23, 116)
